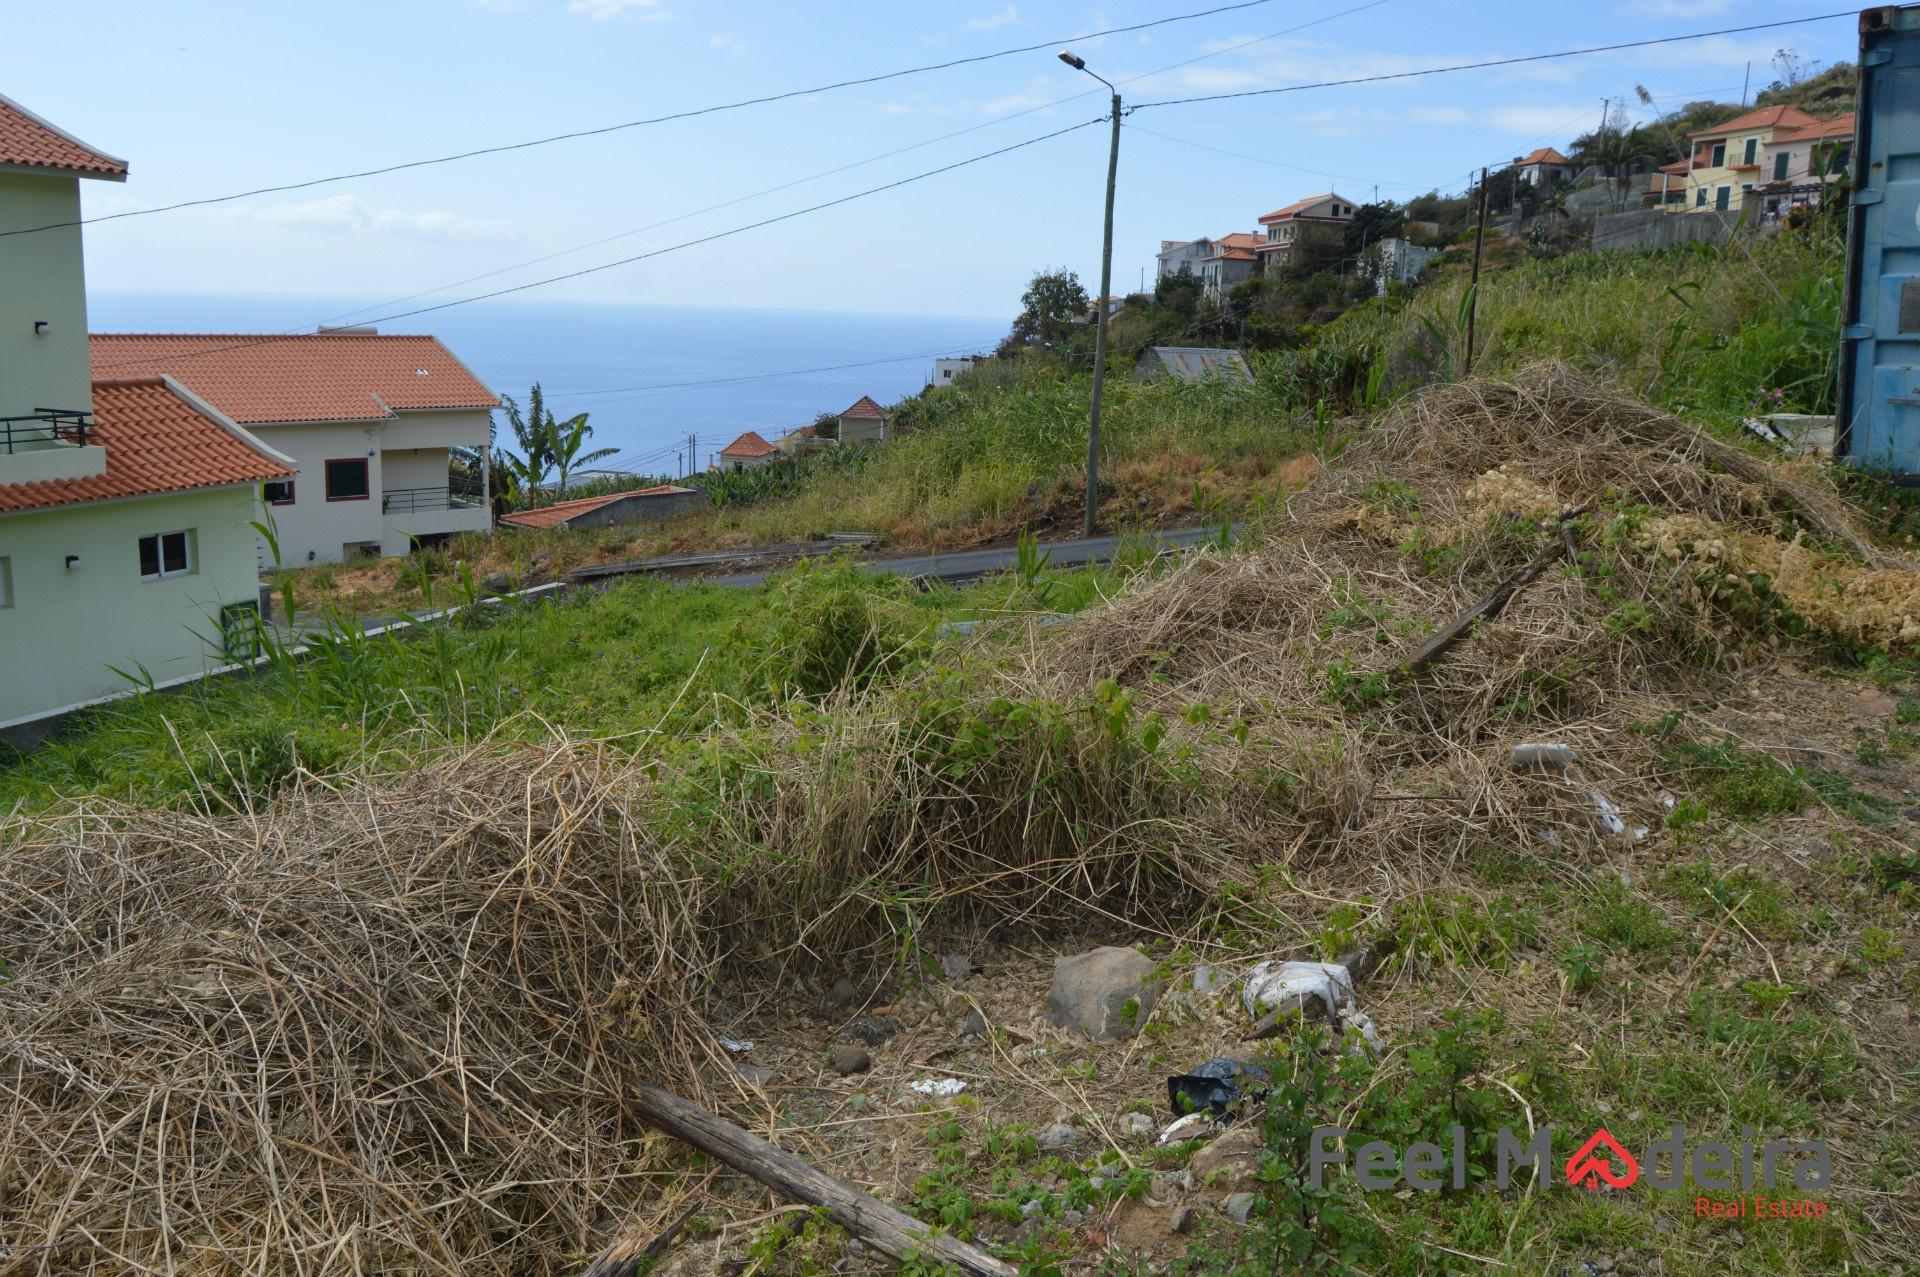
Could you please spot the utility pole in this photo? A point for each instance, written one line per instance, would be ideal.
(1473, 289)
(1100, 311)
(1746, 83)
(691, 444)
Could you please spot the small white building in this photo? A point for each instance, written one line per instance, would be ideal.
(1396, 261)
(126, 504)
(864, 422)
(371, 421)
(749, 452)
(946, 370)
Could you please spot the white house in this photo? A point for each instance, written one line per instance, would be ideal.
(126, 504)
(945, 370)
(749, 452)
(1542, 168)
(1318, 217)
(370, 420)
(864, 422)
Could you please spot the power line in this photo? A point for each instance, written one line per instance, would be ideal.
(634, 124)
(872, 159)
(658, 252)
(1495, 62)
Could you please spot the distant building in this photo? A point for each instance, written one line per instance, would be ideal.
(945, 370)
(1731, 163)
(1399, 261)
(864, 422)
(1317, 218)
(1800, 164)
(642, 505)
(1542, 168)
(1191, 363)
(1181, 254)
(748, 452)
(800, 440)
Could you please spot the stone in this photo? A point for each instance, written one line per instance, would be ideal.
(1180, 1222)
(1071, 1218)
(1177, 1181)
(754, 1075)
(872, 1030)
(848, 1058)
(843, 993)
(1057, 1136)
(1136, 1126)
(1232, 1160)
(497, 582)
(1029, 1209)
(1209, 979)
(1240, 1206)
(975, 1026)
(957, 966)
(1106, 994)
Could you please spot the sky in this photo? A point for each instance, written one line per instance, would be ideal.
(207, 98)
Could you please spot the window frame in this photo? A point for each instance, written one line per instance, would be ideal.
(281, 483)
(1718, 156)
(1723, 199)
(366, 471)
(161, 571)
(1782, 165)
(1752, 153)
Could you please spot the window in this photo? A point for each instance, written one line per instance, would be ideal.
(166, 554)
(1753, 151)
(1700, 198)
(1719, 154)
(1723, 198)
(240, 630)
(1780, 163)
(6, 582)
(277, 492)
(347, 480)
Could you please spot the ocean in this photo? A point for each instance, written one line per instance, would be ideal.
(626, 365)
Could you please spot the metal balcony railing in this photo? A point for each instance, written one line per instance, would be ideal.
(452, 496)
(44, 426)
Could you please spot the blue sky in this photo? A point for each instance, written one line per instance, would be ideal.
(205, 98)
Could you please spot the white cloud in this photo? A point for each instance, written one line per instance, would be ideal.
(635, 10)
(1007, 17)
(727, 43)
(350, 215)
(1039, 92)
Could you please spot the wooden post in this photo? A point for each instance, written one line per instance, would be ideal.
(873, 1221)
(1473, 290)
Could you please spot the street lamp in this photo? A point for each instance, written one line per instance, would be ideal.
(1100, 305)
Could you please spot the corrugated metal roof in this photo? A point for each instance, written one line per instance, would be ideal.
(1199, 363)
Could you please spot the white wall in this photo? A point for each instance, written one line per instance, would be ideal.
(42, 277)
(65, 627)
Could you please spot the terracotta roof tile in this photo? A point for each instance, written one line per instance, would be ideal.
(158, 441)
(1545, 155)
(749, 444)
(865, 409)
(1765, 118)
(264, 378)
(1240, 239)
(29, 142)
(1295, 207)
(549, 516)
(1838, 126)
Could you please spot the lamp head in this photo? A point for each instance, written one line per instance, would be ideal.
(1078, 64)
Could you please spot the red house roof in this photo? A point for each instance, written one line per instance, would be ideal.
(549, 516)
(159, 439)
(31, 143)
(865, 409)
(1545, 155)
(1765, 118)
(1294, 209)
(748, 445)
(1838, 126)
(1240, 239)
(264, 378)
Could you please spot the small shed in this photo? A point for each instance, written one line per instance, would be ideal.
(642, 505)
(865, 422)
(1191, 363)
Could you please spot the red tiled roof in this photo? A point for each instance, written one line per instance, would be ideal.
(263, 378)
(29, 142)
(1233, 255)
(158, 440)
(549, 516)
(1294, 208)
(1240, 239)
(1545, 155)
(867, 410)
(1838, 126)
(749, 444)
(1765, 118)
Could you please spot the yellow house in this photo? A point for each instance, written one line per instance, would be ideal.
(1725, 163)
(126, 504)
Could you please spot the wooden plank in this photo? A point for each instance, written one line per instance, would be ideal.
(892, 1232)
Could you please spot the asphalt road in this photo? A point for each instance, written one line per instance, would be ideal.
(971, 565)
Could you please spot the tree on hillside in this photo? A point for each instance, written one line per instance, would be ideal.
(1178, 294)
(1049, 310)
(1372, 223)
(826, 426)
(533, 437)
(1825, 95)
(566, 439)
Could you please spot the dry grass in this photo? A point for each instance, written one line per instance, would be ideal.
(386, 1024)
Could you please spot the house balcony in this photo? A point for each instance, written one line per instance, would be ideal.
(49, 444)
(455, 506)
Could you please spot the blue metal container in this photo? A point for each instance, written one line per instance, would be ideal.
(1879, 392)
